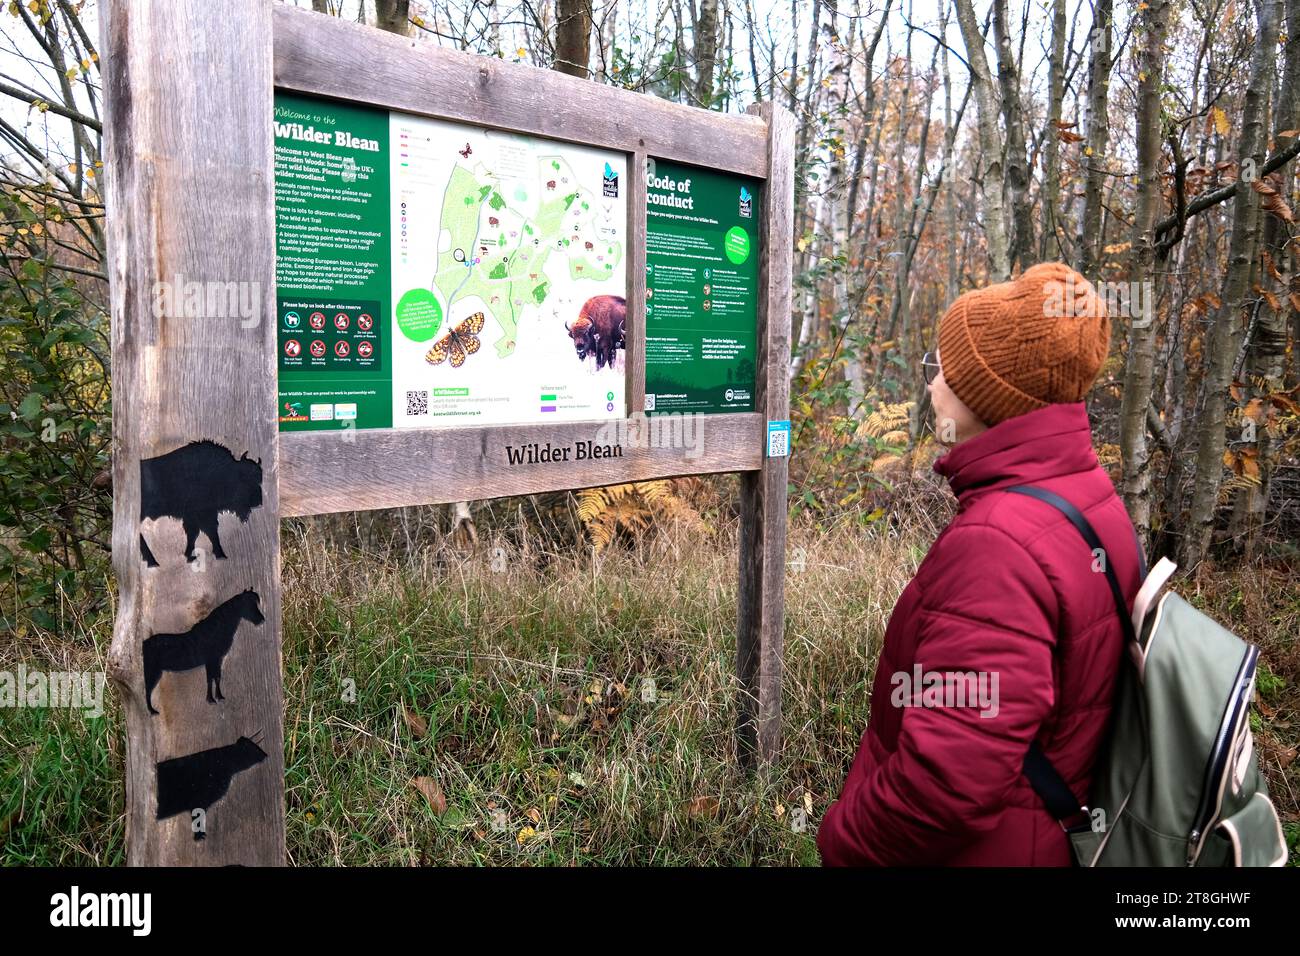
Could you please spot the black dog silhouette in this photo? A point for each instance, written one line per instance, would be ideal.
(197, 781)
(195, 483)
(206, 643)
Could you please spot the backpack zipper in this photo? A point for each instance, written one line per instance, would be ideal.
(1215, 766)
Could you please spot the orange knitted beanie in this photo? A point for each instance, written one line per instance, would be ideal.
(1016, 346)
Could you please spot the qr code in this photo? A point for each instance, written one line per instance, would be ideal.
(778, 444)
(417, 403)
(649, 402)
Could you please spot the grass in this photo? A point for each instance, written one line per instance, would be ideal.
(516, 684)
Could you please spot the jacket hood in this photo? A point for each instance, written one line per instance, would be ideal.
(1045, 443)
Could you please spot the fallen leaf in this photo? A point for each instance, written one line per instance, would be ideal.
(432, 792)
(418, 726)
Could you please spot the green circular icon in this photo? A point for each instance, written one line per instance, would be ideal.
(419, 315)
(736, 244)
(609, 396)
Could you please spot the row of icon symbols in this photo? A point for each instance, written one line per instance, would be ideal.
(342, 321)
(293, 348)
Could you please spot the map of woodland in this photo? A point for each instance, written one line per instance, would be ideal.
(499, 244)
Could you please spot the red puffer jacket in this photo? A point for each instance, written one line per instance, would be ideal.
(1008, 591)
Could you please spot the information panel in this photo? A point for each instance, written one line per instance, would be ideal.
(702, 261)
(434, 273)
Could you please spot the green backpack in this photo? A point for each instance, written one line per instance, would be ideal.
(1177, 781)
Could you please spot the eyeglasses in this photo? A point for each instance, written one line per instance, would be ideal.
(930, 366)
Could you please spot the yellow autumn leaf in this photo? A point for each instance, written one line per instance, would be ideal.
(1220, 120)
(524, 835)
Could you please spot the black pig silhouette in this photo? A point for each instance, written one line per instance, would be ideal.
(206, 644)
(599, 328)
(197, 781)
(195, 483)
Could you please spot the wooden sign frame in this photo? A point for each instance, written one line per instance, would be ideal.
(198, 459)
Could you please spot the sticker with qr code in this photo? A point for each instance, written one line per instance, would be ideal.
(778, 439)
(417, 403)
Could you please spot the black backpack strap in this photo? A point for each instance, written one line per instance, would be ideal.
(1094, 542)
(1043, 777)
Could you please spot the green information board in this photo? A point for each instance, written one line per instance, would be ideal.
(438, 274)
(332, 278)
(701, 290)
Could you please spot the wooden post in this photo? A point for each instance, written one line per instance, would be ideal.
(190, 217)
(760, 632)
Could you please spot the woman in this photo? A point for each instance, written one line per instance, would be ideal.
(1008, 632)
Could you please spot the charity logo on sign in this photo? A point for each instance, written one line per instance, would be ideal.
(746, 203)
(610, 182)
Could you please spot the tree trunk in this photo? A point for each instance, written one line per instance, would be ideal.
(1139, 368)
(706, 52)
(1017, 170)
(1267, 358)
(1048, 243)
(1090, 233)
(990, 173)
(573, 37)
(1224, 335)
(393, 16)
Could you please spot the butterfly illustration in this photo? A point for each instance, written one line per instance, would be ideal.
(466, 151)
(458, 342)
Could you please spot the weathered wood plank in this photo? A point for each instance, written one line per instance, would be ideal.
(763, 515)
(324, 472)
(634, 332)
(189, 169)
(327, 56)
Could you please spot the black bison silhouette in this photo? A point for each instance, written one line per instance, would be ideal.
(206, 644)
(195, 483)
(197, 781)
(599, 328)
